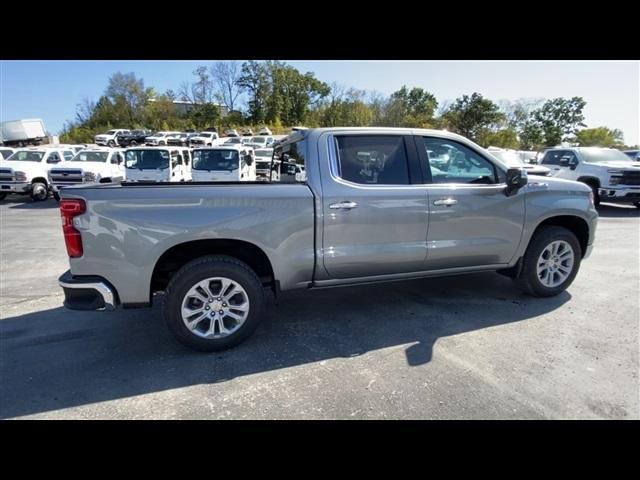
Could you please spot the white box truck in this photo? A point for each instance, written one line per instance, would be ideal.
(21, 133)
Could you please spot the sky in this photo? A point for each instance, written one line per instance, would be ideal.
(51, 89)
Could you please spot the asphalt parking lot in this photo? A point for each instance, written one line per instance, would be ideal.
(449, 348)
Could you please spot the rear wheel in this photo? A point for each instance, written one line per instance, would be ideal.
(111, 143)
(213, 303)
(39, 192)
(550, 263)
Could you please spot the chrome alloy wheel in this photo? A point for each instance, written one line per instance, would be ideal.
(555, 263)
(215, 307)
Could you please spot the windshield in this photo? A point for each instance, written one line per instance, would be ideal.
(147, 159)
(234, 140)
(507, 157)
(258, 140)
(215, 160)
(91, 157)
(26, 156)
(204, 134)
(264, 153)
(110, 132)
(603, 155)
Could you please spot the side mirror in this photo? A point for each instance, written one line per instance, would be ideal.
(516, 179)
(249, 160)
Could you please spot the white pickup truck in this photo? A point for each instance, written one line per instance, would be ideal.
(101, 165)
(110, 138)
(27, 171)
(157, 164)
(229, 163)
(612, 175)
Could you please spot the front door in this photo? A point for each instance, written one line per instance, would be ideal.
(471, 220)
(375, 217)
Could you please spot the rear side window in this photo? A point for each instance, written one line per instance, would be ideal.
(373, 159)
(289, 159)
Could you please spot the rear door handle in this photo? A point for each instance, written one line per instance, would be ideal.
(446, 202)
(343, 205)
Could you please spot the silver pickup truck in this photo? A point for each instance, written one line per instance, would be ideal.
(353, 205)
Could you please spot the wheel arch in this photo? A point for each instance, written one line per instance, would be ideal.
(178, 255)
(575, 224)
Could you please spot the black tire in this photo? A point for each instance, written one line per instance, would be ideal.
(39, 192)
(3, 196)
(596, 195)
(111, 143)
(161, 143)
(528, 279)
(197, 270)
(635, 204)
(56, 196)
(133, 143)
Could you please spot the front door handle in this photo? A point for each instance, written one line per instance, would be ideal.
(446, 202)
(343, 205)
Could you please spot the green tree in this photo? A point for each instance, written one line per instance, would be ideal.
(559, 119)
(471, 116)
(410, 108)
(504, 138)
(599, 137)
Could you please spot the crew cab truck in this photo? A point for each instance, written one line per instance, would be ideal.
(133, 138)
(612, 175)
(232, 163)
(27, 170)
(369, 209)
(110, 138)
(101, 165)
(157, 164)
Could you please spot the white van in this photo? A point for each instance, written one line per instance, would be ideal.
(156, 164)
(228, 163)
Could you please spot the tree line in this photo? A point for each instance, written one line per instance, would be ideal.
(277, 95)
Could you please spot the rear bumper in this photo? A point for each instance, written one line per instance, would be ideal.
(87, 292)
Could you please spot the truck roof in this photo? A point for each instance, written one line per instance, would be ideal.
(228, 146)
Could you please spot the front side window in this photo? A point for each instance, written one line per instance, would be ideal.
(91, 157)
(147, 159)
(53, 158)
(68, 155)
(215, 160)
(552, 157)
(26, 156)
(373, 159)
(452, 162)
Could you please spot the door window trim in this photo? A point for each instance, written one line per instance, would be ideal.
(413, 161)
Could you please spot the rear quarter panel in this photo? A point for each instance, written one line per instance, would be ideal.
(126, 229)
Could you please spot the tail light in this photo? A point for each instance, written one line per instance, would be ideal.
(70, 208)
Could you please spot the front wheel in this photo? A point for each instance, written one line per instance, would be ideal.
(133, 143)
(550, 263)
(39, 192)
(111, 143)
(213, 303)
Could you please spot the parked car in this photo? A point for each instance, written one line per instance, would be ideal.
(27, 170)
(247, 132)
(264, 131)
(180, 139)
(233, 163)
(633, 154)
(262, 141)
(95, 165)
(612, 175)
(231, 133)
(369, 210)
(110, 138)
(133, 138)
(6, 152)
(158, 138)
(156, 164)
(204, 139)
(234, 141)
(265, 170)
(511, 158)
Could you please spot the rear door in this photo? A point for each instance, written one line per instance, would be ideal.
(375, 211)
(471, 221)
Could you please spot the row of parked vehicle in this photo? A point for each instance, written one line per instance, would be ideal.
(208, 137)
(38, 171)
